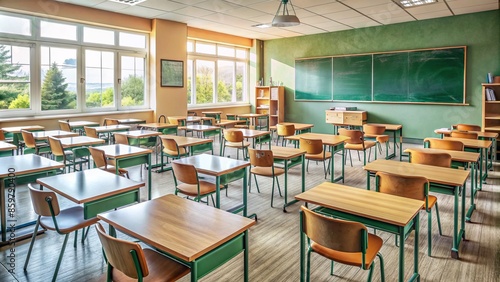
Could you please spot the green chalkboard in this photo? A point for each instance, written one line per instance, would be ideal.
(352, 78)
(313, 79)
(415, 76)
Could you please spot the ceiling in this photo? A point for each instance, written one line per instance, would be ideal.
(237, 17)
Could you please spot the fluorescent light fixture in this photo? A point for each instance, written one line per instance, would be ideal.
(284, 16)
(262, 25)
(128, 2)
(413, 3)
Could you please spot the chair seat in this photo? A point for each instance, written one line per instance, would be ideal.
(354, 259)
(379, 138)
(192, 189)
(359, 147)
(432, 200)
(318, 157)
(68, 220)
(236, 144)
(112, 169)
(182, 151)
(267, 171)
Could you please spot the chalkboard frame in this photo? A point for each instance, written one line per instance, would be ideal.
(373, 100)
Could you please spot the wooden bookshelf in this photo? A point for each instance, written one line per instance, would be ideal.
(491, 111)
(270, 100)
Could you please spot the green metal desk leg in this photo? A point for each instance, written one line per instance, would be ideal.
(401, 236)
(194, 271)
(486, 164)
(217, 192)
(286, 182)
(245, 255)
(454, 249)
(367, 180)
(149, 177)
(473, 189)
(302, 250)
(416, 225)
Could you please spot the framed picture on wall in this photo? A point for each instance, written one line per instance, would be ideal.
(172, 73)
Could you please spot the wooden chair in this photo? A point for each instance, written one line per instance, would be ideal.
(357, 143)
(64, 125)
(110, 121)
(467, 127)
(51, 217)
(430, 158)
(101, 162)
(263, 165)
(284, 130)
(169, 130)
(346, 242)
(191, 185)
(92, 132)
(414, 187)
(31, 146)
(120, 139)
(68, 157)
(181, 123)
(235, 117)
(172, 150)
(377, 132)
(314, 151)
(464, 134)
(128, 260)
(233, 138)
(211, 121)
(443, 144)
(4, 138)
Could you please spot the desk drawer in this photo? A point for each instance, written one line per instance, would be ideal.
(334, 117)
(354, 118)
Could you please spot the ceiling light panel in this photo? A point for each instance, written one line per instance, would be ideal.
(128, 2)
(414, 3)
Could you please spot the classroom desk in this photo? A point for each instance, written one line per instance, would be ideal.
(79, 125)
(199, 236)
(336, 143)
(225, 170)
(214, 114)
(108, 129)
(186, 119)
(227, 123)
(451, 182)
(163, 127)
(253, 118)
(201, 128)
(127, 156)
(129, 121)
(394, 214)
(253, 134)
(299, 127)
(194, 144)
(480, 146)
(7, 149)
(16, 132)
(464, 158)
(43, 135)
(395, 129)
(24, 166)
(79, 141)
(97, 190)
(289, 156)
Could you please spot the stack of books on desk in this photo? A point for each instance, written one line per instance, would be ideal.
(344, 108)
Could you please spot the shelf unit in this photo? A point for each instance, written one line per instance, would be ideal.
(270, 100)
(491, 111)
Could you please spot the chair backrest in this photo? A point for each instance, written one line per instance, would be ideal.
(28, 138)
(64, 125)
(191, 113)
(2, 135)
(110, 121)
(186, 173)
(335, 234)
(99, 157)
(414, 187)
(428, 158)
(172, 120)
(208, 121)
(121, 139)
(233, 135)
(444, 144)
(162, 117)
(119, 254)
(41, 201)
(56, 146)
(285, 129)
(356, 136)
(91, 132)
(262, 158)
(311, 146)
(373, 129)
(170, 146)
(464, 134)
(468, 127)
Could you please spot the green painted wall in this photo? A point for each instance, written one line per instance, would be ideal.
(480, 32)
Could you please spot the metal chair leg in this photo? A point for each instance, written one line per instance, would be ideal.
(60, 257)
(33, 238)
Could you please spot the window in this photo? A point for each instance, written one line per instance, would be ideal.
(64, 67)
(216, 73)
(14, 77)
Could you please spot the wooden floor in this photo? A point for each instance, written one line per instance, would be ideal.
(274, 240)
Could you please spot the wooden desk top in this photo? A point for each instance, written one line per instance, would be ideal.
(435, 174)
(286, 153)
(4, 146)
(212, 113)
(328, 139)
(69, 142)
(131, 121)
(17, 129)
(183, 141)
(251, 115)
(88, 185)
(484, 134)
(24, 164)
(472, 143)
(226, 122)
(158, 125)
(251, 133)
(111, 128)
(200, 127)
(391, 209)
(82, 123)
(298, 126)
(142, 133)
(389, 126)
(461, 156)
(119, 151)
(213, 165)
(186, 118)
(180, 227)
(39, 135)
